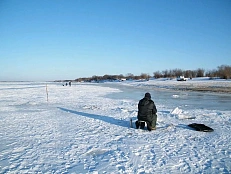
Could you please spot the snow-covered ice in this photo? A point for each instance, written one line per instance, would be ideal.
(85, 128)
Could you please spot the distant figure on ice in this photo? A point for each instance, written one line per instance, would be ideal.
(70, 83)
(146, 113)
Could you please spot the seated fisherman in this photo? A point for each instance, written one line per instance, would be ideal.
(147, 112)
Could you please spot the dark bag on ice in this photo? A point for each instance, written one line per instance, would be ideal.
(200, 127)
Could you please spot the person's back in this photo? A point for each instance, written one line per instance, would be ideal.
(147, 111)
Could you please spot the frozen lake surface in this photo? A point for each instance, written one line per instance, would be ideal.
(85, 129)
(172, 98)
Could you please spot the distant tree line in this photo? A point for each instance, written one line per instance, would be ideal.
(223, 72)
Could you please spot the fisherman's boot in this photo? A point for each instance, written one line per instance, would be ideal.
(142, 125)
(137, 124)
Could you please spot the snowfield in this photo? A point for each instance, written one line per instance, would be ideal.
(85, 128)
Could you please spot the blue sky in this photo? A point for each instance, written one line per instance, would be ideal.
(44, 40)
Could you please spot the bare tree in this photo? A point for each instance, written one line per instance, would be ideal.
(177, 72)
(165, 73)
(144, 76)
(188, 74)
(212, 73)
(157, 74)
(200, 72)
(224, 71)
(121, 76)
(130, 76)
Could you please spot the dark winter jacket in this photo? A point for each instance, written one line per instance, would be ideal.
(146, 109)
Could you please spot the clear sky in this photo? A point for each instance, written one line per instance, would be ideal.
(44, 40)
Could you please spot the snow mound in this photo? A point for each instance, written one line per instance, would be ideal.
(176, 111)
(180, 114)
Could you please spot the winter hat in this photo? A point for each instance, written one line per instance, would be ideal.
(148, 95)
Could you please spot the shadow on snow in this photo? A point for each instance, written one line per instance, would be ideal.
(111, 120)
(107, 119)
